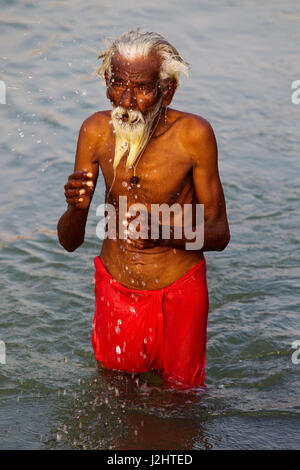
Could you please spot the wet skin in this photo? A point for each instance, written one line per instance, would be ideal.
(179, 164)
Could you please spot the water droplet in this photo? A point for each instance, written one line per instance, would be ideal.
(118, 350)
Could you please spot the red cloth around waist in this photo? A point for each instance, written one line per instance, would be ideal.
(137, 330)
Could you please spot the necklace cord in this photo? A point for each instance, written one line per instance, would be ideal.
(135, 165)
(139, 157)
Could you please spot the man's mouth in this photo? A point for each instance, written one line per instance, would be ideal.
(128, 117)
(125, 118)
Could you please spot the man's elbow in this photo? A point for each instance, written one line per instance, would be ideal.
(70, 248)
(225, 240)
(68, 245)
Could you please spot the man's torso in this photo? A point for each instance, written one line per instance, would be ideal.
(165, 173)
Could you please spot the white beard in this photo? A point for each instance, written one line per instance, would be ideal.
(133, 134)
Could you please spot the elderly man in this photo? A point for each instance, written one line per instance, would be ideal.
(151, 294)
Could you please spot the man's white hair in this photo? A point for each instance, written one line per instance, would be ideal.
(136, 44)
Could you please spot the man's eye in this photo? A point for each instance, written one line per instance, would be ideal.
(144, 88)
(118, 85)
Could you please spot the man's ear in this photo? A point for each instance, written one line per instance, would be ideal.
(169, 93)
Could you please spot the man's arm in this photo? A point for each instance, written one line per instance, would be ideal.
(200, 142)
(209, 189)
(80, 186)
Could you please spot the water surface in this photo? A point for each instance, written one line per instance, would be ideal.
(244, 57)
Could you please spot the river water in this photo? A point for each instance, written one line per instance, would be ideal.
(244, 58)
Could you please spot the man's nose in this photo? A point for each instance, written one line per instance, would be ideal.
(128, 99)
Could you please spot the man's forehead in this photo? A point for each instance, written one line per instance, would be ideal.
(146, 68)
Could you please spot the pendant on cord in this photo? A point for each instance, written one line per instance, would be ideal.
(134, 180)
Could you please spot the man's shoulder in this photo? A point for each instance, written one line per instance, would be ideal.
(99, 118)
(190, 122)
(196, 133)
(97, 124)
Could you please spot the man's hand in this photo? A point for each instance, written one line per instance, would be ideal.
(79, 189)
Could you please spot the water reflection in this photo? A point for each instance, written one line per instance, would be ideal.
(122, 411)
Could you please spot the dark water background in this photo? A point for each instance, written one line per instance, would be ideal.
(244, 57)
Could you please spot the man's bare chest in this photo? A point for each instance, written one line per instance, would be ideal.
(163, 175)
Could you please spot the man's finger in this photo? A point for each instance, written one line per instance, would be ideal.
(74, 200)
(89, 185)
(81, 175)
(75, 192)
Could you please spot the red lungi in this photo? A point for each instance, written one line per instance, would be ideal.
(164, 329)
